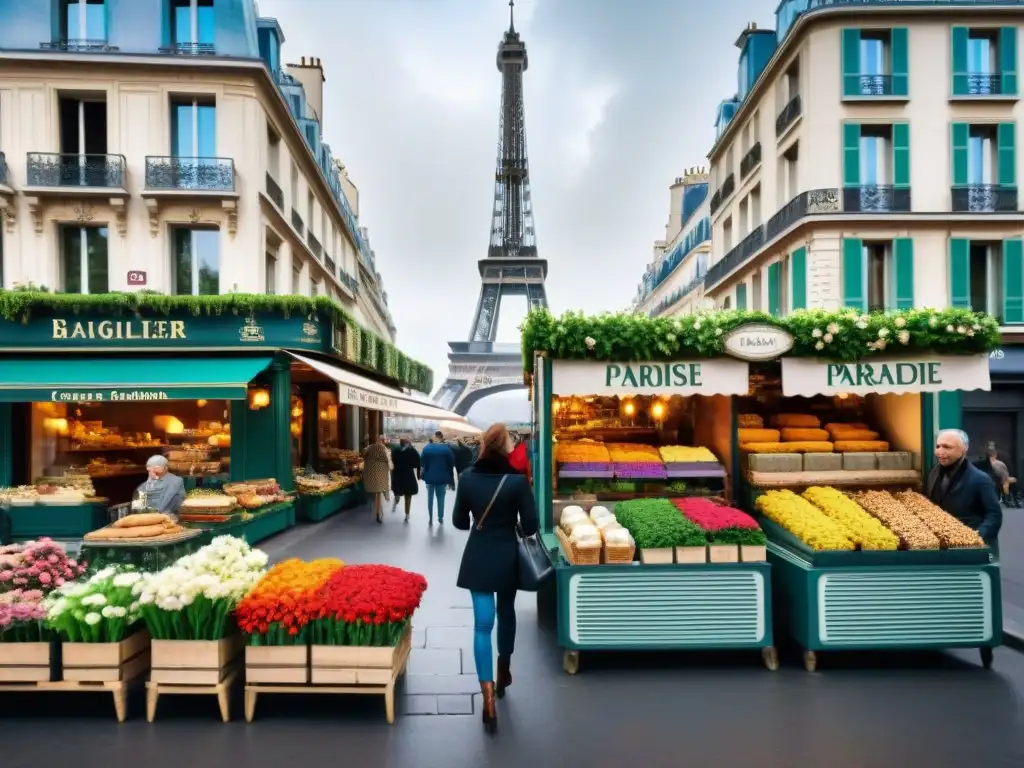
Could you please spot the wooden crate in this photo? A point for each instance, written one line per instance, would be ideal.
(723, 553)
(106, 662)
(193, 662)
(658, 556)
(26, 662)
(753, 553)
(276, 665)
(691, 555)
(355, 665)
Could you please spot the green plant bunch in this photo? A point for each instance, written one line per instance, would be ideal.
(656, 524)
(21, 303)
(745, 537)
(844, 335)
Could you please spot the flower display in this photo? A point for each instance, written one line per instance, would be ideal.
(858, 525)
(803, 520)
(193, 598)
(685, 454)
(585, 451)
(41, 565)
(278, 609)
(99, 610)
(23, 617)
(367, 605)
(723, 525)
(657, 524)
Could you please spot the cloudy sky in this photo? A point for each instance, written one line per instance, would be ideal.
(620, 99)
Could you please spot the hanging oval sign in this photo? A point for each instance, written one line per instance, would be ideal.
(758, 341)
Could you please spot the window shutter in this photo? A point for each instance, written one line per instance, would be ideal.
(741, 296)
(854, 293)
(903, 269)
(900, 62)
(851, 154)
(1013, 280)
(901, 154)
(1006, 143)
(1008, 61)
(958, 148)
(960, 272)
(798, 279)
(959, 59)
(851, 62)
(774, 286)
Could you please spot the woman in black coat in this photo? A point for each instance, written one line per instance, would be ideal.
(405, 475)
(499, 499)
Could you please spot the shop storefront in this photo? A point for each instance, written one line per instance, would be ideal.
(996, 417)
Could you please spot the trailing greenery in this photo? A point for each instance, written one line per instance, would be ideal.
(844, 335)
(20, 304)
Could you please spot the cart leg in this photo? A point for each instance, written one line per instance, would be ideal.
(389, 703)
(152, 695)
(771, 658)
(224, 700)
(986, 657)
(810, 661)
(571, 662)
(121, 703)
(250, 705)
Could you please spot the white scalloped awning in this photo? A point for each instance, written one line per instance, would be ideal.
(807, 377)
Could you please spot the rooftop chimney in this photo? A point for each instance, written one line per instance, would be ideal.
(311, 74)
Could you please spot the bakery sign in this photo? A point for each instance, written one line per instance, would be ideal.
(718, 376)
(807, 377)
(758, 341)
(365, 398)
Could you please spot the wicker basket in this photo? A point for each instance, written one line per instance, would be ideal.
(619, 554)
(578, 555)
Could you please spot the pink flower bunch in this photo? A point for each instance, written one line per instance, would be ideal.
(21, 606)
(38, 565)
(714, 517)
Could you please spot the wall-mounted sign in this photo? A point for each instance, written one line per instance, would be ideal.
(366, 399)
(718, 376)
(758, 341)
(136, 277)
(806, 377)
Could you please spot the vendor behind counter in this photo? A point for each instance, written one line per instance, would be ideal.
(164, 492)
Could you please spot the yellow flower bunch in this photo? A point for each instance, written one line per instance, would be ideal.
(581, 451)
(623, 452)
(803, 520)
(672, 454)
(859, 526)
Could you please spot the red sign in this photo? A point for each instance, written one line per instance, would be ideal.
(136, 278)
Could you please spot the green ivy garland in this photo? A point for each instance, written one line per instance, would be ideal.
(845, 335)
(20, 305)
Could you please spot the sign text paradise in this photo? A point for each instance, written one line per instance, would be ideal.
(876, 374)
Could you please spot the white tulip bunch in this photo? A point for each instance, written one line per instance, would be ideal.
(98, 610)
(193, 598)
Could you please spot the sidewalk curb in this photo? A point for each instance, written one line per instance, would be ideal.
(1013, 635)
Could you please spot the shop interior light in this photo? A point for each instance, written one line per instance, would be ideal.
(556, 406)
(842, 395)
(658, 411)
(56, 426)
(200, 403)
(629, 409)
(169, 424)
(258, 399)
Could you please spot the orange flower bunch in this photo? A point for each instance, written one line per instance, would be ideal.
(280, 606)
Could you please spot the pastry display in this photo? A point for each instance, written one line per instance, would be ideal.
(137, 527)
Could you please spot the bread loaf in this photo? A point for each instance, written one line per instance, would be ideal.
(138, 521)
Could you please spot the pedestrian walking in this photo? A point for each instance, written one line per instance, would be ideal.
(405, 476)
(463, 456)
(438, 472)
(496, 500)
(962, 489)
(376, 474)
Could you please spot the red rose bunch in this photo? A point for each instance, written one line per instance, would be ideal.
(367, 605)
(714, 517)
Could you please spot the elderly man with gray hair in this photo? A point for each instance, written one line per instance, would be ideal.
(963, 490)
(164, 492)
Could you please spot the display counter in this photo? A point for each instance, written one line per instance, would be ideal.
(253, 527)
(56, 521)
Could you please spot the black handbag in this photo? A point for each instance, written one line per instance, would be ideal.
(535, 566)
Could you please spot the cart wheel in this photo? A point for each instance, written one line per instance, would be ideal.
(986, 657)
(810, 661)
(571, 662)
(771, 658)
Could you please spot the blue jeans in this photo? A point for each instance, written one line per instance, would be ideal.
(483, 625)
(438, 491)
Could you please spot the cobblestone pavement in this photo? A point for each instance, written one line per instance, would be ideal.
(858, 711)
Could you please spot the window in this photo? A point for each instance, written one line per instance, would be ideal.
(193, 129)
(727, 235)
(195, 259)
(270, 275)
(787, 179)
(984, 167)
(988, 277)
(310, 203)
(755, 290)
(984, 61)
(83, 22)
(791, 81)
(875, 155)
(83, 125)
(84, 262)
(743, 219)
(878, 275)
(273, 153)
(755, 207)
(192, 23)
(727, 303)
(879, 280)
(985, 281)
(295, 186)
(875, 62)
(981, 154)
(296, 278)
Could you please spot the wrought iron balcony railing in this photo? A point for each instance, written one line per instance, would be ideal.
(51, 169)
(788, 114)
(716, 200)
(746, 248)
(274, 192)
(72, 44)
(876, 198)
(873, 85)
(190, 49)
(3, 168)
(984, 198)
(809, 203)
(331, 266)
(297, 222)
(314, 244)
(210, 174)
(723, 193)
(984, 84)
(750, 160)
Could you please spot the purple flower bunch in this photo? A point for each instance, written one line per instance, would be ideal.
(23, 616)
(37, 565)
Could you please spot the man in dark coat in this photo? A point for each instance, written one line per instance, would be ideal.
(405, 477)
(463, 456)
(963, 490)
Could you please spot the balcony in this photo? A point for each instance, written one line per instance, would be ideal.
(716, 200)
(314, 245)
(981, 84)
(331, 266)
(747, 247)
(192, 174)
(723, 193)
(876, 199)
(788, 115)
(49, 171)
(984, 198)
(872, 85)
(810, 203)
(73, 45)
(750, 160)
(190, 49)
(274, 192)
(298, 223)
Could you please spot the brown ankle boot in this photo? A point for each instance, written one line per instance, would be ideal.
(504, 676)
(490, 709)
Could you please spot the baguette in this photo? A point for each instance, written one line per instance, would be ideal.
(139, 532)
(138, 521)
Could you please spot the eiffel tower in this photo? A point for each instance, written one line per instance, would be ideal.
(480, 366)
